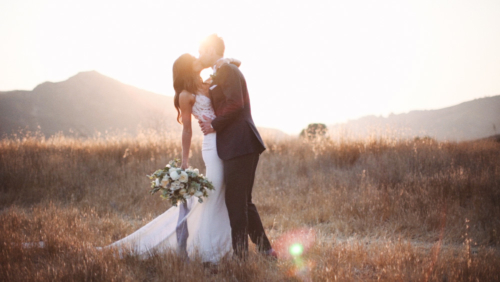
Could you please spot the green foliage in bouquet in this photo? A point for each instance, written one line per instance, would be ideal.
(178, 185)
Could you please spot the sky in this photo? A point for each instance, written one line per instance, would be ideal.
(304, 61)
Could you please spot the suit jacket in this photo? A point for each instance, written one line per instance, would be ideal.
(236, 131)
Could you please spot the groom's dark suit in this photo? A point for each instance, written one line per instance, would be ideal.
(239, 145)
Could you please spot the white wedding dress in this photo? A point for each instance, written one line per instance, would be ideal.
(195, 228)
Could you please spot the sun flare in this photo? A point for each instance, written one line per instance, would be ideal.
(305, 62)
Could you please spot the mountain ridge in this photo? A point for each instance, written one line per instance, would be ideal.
(83, 104)
(474, 119)
(90, 102)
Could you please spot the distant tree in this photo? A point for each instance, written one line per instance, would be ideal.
(313, 131)
(424, 139)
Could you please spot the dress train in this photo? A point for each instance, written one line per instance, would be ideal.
(193, 228)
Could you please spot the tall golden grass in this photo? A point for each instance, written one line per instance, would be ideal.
(378, 209)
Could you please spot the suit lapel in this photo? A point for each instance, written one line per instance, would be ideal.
(211, 98)
(215, 93)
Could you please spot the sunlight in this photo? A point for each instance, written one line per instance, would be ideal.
(410, 197)
(321, 62)
(205, 74)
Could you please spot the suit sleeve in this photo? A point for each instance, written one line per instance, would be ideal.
(230, 83)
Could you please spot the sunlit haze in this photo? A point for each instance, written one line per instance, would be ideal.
(304, 61)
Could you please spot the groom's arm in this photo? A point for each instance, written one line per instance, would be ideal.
(230, 84)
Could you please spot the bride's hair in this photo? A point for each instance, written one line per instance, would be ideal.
(185, 78)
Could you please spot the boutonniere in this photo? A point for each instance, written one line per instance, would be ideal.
(215, 68)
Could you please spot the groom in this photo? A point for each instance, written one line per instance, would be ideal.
(238, 144)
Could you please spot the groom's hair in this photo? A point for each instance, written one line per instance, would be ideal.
(215, 42)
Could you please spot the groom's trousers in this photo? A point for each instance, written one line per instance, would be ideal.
(239, 175)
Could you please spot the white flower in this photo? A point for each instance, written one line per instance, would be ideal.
(172, 170)
(176, 186)
(157, 182)
(183, 177)
(174, 175)
(198, 194)
(164, 181)
(196, 172)
(167, 166)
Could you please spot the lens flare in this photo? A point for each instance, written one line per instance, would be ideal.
(296, 249)
(294, 245)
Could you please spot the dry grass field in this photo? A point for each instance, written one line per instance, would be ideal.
(372, 210)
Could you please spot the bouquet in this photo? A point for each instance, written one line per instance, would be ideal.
(178, 185)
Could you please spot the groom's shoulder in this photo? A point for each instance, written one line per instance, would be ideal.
(230, 71)
(229, 68)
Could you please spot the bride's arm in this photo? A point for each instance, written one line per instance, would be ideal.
(235, 62)
(222, 61)
(186, 101)
(228, 61)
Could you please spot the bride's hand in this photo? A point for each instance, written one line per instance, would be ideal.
(184, 165)
(222, 61)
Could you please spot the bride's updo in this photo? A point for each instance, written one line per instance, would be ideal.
(185, 78)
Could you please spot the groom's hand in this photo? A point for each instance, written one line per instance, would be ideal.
(206, 126)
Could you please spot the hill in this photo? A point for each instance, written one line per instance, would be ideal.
(470, 120)
(90, 102)
(86, 103)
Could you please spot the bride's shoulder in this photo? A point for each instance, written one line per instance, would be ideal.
(186, 96)
(186, 100)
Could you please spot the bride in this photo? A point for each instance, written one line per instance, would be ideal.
(193, 228)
